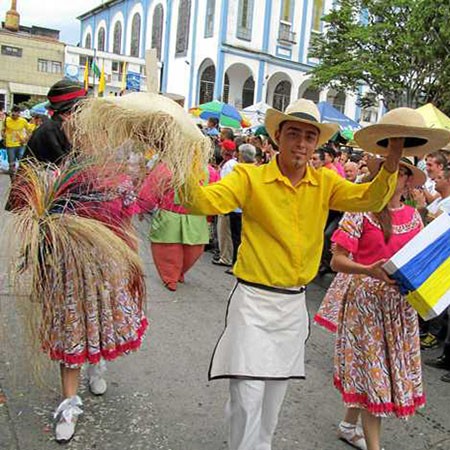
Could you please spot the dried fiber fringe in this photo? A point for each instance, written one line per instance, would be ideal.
(101, 128)
(49, 244)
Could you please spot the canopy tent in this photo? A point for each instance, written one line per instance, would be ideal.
(256, 113)
(434, 118)
(329, 114)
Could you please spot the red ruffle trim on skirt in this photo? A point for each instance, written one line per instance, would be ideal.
(108, 355)
(323, 322)
(361, 400)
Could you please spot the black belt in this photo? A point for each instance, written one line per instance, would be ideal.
(278, 290)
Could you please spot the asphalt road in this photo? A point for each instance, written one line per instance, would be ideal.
(160, 398)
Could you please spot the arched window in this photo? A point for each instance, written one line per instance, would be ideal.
(282, 95)
(209, 19)
(101, 40)
(317, 15)
(226, 89)
(245, 19)
(248, 92)
(312, 94)
(117, 38)
(88, 41)
(135, 35)
(184, 18)
(338, 101)
(207, 81)
(157, 31)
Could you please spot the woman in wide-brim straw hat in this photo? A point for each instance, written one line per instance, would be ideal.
(74, 228)
(377, 353)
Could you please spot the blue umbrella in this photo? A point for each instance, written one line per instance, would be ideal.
(40, 108)
(329, 114)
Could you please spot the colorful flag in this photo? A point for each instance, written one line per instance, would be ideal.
(102, 83)
(95, 69)
(86, 76)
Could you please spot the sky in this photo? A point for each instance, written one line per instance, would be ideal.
(57, 14)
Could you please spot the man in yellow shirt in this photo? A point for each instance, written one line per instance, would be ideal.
(16, 133)
(285, 205)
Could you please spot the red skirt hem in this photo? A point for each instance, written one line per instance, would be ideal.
(327, 324)
(108, 355)
(362, 401)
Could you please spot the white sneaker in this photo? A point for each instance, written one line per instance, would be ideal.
(352, 434)
(97, 384)
(66, 416)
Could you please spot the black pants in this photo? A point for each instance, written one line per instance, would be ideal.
(332, 224)
(236, 228)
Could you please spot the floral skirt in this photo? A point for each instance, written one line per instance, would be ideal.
(102, 319)
(377, 363)
(328, 313)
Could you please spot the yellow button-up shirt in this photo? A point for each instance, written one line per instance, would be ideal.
(282, 224)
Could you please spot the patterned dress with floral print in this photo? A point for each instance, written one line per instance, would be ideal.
(377, 362)
(112, 321)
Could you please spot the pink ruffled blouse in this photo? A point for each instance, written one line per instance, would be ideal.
(362, 236)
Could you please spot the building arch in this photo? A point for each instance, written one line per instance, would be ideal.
(134, 34)
(279, 90)
(117, 24)
(237, 75)
(207, 80)
(306, 90)
(87, 37)
(100, 36)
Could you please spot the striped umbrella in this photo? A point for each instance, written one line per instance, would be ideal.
(227, 114)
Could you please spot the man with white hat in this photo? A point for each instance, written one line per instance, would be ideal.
(285, 205)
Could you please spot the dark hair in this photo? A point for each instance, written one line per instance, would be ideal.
(227, 133)
(15, 109)
(214, 121)
(239, 140)
(440, 157)
(384, 219)
(329, 150)
(321, 154)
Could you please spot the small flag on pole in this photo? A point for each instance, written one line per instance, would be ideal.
(86, 76)
(124, 77)
(95, 69)
(102, 83)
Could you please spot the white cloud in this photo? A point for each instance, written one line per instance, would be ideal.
(58, 14)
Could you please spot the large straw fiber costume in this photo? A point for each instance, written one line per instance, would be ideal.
(77, 245)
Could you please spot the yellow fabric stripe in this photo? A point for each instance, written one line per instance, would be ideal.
(435, 287)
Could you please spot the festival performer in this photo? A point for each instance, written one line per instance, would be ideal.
(285, 204)
(73, 222)
(377, 352)
(177, 238)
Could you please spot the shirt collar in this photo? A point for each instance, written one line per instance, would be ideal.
(273, 173)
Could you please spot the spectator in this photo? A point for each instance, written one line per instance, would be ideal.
(351, 171)
(16, 133)
(318, 159)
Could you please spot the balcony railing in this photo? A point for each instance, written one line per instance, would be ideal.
(285, 35)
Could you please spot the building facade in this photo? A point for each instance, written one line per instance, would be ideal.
(238, 51)
(31, 60)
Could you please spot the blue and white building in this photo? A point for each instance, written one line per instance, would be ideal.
(238, 51)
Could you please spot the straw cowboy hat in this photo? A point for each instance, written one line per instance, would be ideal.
(418, 177)
(402, 123)
(148, 104)
(303, 111)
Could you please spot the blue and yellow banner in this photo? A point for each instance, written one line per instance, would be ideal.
(422, 269)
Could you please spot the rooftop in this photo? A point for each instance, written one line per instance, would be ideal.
(105, 5)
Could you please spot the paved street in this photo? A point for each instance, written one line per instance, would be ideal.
(160, 398)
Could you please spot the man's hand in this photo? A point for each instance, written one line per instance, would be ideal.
(395, 149)
(376, 270)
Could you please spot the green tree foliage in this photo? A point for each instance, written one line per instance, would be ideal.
(400, 49)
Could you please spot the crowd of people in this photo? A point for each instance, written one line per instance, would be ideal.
(276, 208)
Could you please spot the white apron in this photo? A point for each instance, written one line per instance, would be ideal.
(264, 336)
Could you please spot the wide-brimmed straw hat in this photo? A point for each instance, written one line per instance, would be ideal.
(303, 111)
(402, 123)
(418, 177)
